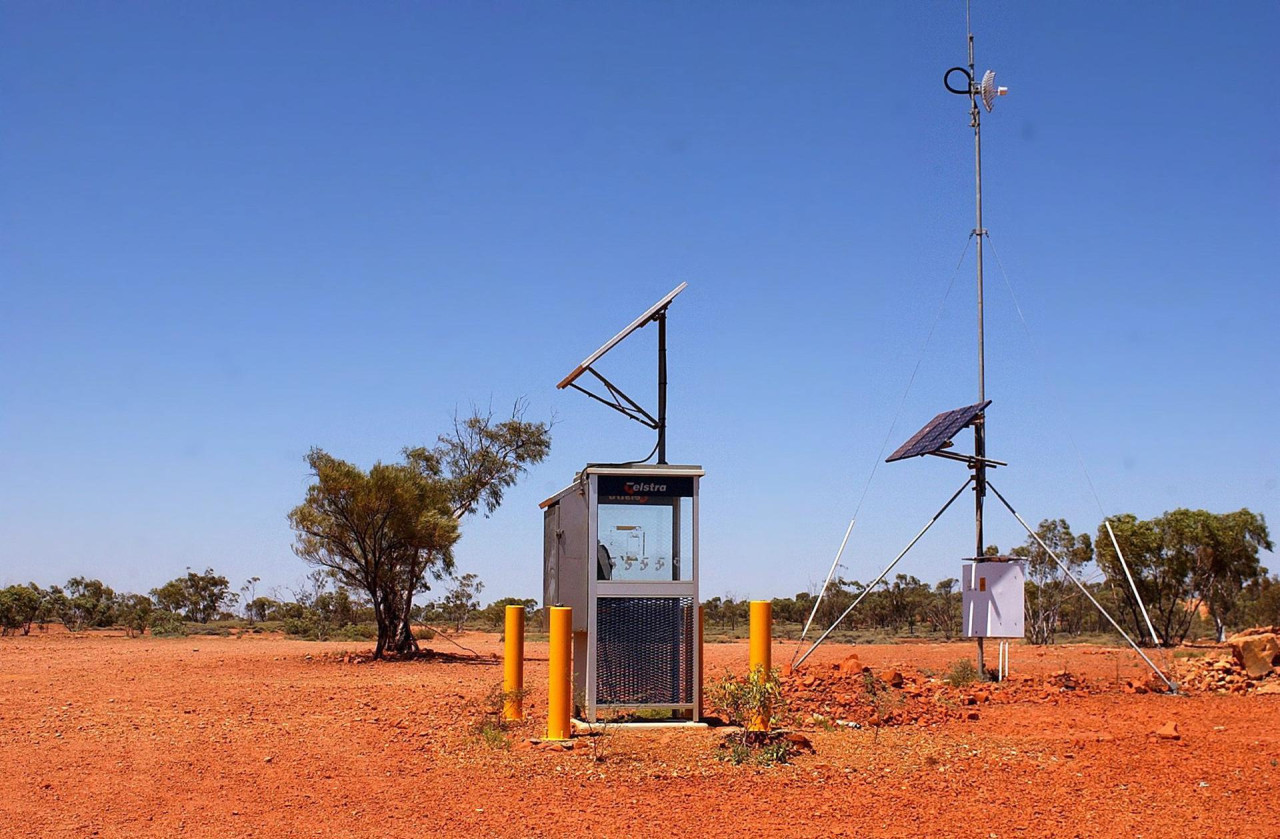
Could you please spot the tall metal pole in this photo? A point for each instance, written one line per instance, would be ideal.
(662, 387)
(979, 425)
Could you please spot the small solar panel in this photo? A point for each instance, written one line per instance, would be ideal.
(937, 432)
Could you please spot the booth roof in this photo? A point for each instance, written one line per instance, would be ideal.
(669, 469)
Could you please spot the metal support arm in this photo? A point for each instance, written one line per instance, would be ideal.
(618, 401)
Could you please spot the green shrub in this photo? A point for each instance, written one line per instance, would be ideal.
(354, 632)
(167, 624)
(493, 727)
(962, 673)
(754, 698)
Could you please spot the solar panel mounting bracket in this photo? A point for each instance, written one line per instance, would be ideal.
(616, 398)
(971, 459)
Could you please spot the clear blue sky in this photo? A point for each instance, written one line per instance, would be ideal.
(232, 231)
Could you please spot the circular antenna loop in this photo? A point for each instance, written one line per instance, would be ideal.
(968, 88)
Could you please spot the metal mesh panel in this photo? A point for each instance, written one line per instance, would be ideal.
(644, 650)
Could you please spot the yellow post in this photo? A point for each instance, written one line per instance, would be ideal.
(761, 657)
(513, 665)
(560, 666)
(761, 635)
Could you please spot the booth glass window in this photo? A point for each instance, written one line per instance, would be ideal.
(644, 538)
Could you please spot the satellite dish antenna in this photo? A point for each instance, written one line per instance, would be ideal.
(614, 397)
(990, 91)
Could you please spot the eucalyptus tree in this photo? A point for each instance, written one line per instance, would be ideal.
(390, 530)
(1183, 561)
(1047, 588)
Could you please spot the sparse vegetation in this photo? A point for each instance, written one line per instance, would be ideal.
(961, 673)
(753, 700)
(493, 728)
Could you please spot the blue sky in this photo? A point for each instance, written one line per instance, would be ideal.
(233, 231)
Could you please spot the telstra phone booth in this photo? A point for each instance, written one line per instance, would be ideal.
(621, 548)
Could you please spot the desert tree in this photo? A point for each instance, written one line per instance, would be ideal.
(134, 613)
(1226, 561)
(495, 614)
(198, 597)
(248, 594)
(460, 599)
(905, 602)
(1047, 588)
(1181, 561)
(943, 608)
(19, 608)
(85, 603)
(1261, 601)
(390, 530)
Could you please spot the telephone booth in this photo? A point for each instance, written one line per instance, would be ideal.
(621, 548)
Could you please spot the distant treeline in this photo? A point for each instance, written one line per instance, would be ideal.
(1197, 572)
(318, 609)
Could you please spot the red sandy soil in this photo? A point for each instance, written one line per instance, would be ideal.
(102, 735)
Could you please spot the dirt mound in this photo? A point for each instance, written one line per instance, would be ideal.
(1231, 672)
(841, 695)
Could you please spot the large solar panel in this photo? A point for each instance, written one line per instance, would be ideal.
(937, 432)
(616, 339)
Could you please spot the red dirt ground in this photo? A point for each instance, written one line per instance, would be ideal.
(101, 735)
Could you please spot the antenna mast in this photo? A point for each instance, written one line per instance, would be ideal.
(987, 91)
(979, 424)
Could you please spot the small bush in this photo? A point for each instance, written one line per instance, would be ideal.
(310, 627)
(962, 673)
(167, 624)
(755, 699)
(354, 632)
(493, 734)
(492, 728)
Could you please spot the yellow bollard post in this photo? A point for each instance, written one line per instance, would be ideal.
(761, 635)
(560, 666)
(761, 655)
(513, 665)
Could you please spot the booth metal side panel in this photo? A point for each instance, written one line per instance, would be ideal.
(576, 560)
(551, 555)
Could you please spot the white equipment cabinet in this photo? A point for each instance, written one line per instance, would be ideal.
(993, 598)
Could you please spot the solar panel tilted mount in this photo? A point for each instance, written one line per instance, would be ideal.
(938, 432)
(613, 396)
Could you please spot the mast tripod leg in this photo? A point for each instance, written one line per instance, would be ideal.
(883, 573)
(1173, 688)
(804, 633)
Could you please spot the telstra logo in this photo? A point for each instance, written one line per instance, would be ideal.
(633, 487)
